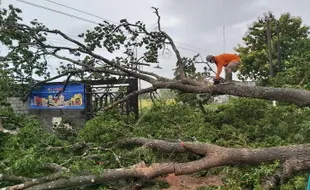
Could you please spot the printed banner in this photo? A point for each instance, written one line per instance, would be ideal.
(44, 97)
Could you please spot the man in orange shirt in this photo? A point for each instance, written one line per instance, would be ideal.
(228, 60)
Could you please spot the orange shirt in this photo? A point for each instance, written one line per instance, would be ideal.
(223, 60)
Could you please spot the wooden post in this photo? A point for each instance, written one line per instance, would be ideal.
(133, 102)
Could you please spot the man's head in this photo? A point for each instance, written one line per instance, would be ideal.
(210, 58)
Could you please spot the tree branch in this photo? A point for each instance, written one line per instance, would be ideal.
(158, 18)
(54, 167)
(180, 64)
(11, 132)
(65, 85)
(66, 37)
(143, 91)
(28, 182)
(105, 60)
(155, 144)
(149, 73)
(13, 178)
(204, 62)
(51, 79)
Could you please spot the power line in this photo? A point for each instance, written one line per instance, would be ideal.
(56, 11)
(90, 14)
(86, 20)
(81, 11)
(196, 48)
(96, 16)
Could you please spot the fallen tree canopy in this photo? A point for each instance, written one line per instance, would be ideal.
(295, 157)
(87, 63)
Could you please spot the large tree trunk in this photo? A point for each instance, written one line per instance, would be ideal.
(289, 95)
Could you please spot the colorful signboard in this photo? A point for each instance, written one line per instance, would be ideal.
(44, 97)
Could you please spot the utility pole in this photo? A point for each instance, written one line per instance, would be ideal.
(274, 103)
(278, 47)
(139, 80)
(224, 40)
(269, 46)
(228, 76)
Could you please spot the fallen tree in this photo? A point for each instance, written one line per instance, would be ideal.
(295, 157)
(89, 64)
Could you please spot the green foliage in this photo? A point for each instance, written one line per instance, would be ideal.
(8, 87)
(258, 124)
(107, 128)
(24, 153)
(22, 61)
(5, 85)
(254, 54)
(175, 122)
(297, 74)
(28, 47)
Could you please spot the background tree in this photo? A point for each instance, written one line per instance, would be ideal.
(287, 32)
(297, 73)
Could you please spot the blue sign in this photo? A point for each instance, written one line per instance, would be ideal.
(72, 98)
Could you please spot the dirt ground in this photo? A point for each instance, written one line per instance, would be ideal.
(186, 182)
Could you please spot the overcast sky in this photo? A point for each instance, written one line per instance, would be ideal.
(195, 25)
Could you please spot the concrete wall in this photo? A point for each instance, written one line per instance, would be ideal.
(76, 117)
(18, 106)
